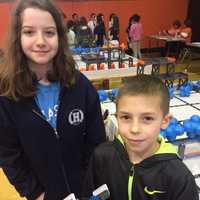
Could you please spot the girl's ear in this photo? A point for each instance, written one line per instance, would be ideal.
(166, 120)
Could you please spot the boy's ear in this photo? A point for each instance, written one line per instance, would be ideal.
(166, 120)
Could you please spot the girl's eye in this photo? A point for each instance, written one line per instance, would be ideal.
(50, 33)
(27, 32)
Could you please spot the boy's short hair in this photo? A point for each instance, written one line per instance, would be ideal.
(147, 85)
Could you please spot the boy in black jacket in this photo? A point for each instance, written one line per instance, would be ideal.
(138, 164)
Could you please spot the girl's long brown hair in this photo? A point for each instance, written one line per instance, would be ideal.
(16, 79)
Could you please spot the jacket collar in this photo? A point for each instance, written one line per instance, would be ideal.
(165, 152)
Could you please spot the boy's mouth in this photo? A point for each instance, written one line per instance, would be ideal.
(136, 140)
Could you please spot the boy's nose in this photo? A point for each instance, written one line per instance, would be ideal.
(135, 127)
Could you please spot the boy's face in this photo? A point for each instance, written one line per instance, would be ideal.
(140, 119)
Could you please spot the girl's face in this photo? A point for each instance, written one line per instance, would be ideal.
(39, 37)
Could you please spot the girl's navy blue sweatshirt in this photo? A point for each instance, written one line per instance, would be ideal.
(37, 158)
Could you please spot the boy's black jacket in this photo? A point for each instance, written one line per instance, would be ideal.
(160, 177)
(37, 160)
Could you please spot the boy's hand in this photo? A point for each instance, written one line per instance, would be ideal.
(41, 197)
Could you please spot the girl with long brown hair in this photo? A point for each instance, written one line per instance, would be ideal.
(50, 117)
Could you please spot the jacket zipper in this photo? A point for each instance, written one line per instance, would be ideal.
(57, 137)
(41, 116)
(56, 133)
(130, 182)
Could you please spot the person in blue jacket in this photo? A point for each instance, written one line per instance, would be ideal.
(50, 116)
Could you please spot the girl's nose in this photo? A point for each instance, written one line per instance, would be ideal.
(40, 39)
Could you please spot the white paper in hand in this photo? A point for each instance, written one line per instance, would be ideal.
(100, 190)
(70, 197)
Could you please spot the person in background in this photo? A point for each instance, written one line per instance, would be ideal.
(186, 35)
(186, 31)
(84, 34)
(175, 30)
(47, 132)
(110, 23)
(75, 19)
(70, 34)
(172, 48)
(92, 22)
(135, 33)
(99, 31)
(103, 20)
(113, 32)
(139, 164)
(102, 16)
(128, 38)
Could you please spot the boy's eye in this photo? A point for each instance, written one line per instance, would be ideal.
(148, 119)
(124, 117)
